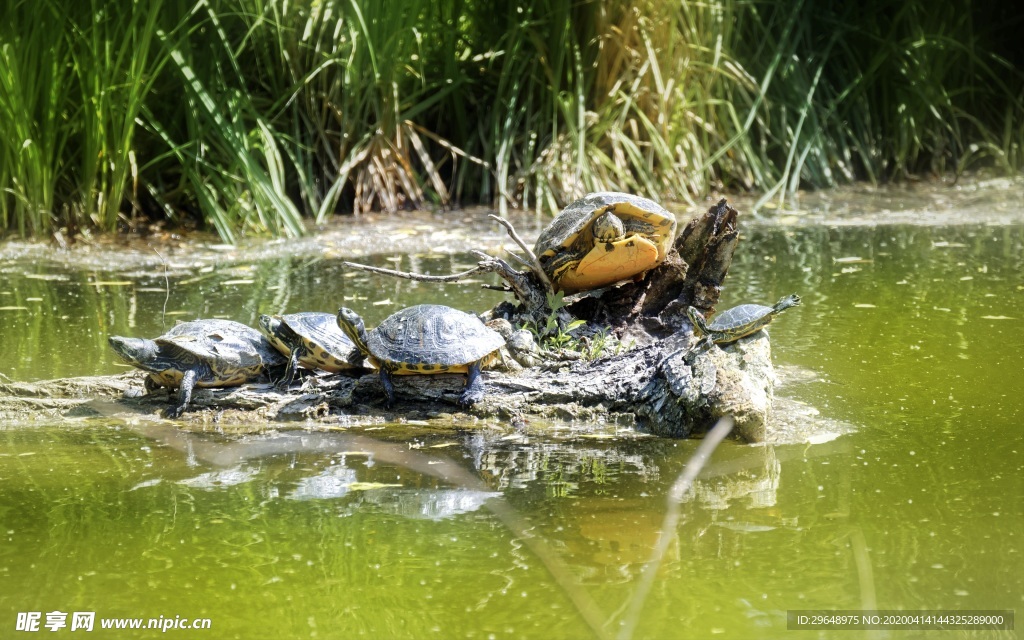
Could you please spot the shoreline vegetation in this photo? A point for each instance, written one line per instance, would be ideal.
(269, 117)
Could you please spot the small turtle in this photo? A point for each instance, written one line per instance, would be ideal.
(604, 238)
(737, 322)
(311, 339)
(520, 345)
(425, 339)
(201, 353)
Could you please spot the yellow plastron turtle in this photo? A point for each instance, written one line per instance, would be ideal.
(426, 339)
(738, 322)
(310, 339)
(604, 238)
(201, 353)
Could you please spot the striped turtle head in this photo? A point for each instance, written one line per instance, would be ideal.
(700, 325)
(351, 323)
(138, 352)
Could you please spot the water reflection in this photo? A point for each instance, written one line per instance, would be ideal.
(332, 482)
(908, 343)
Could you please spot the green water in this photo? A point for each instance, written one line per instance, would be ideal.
(914, 335)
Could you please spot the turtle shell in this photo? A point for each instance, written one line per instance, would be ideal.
(432, 338)
(326, 346)
(643, 218)
(221, 352)
(743, 316)
(745, 319)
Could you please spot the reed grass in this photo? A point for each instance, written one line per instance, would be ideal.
(34, 82)
(261, 116)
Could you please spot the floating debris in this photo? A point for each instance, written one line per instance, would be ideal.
(366, 486)
(147, 483)
(851, 260)
(744, 527)
(225, 478)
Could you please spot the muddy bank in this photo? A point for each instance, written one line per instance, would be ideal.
(971, 199)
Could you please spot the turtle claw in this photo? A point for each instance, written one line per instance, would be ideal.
(389, 389)
(470, 397)
(474, 391)
(173, 413)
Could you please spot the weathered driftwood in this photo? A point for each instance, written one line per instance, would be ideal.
(662, 388)
(664, 385)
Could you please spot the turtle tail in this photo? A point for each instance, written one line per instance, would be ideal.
(787, 302)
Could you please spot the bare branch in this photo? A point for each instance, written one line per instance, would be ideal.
(409, 275)
(526, 263)
(527, 250)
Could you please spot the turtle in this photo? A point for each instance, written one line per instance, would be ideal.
(604, 238)
(311, 339)
(200, 353)
(520, 345)
(426, 339)
(737, 322)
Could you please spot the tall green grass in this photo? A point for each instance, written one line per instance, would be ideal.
(261, 116)
(34, 84)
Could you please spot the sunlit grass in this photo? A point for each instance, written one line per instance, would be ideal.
(34, 83)
(263, 116)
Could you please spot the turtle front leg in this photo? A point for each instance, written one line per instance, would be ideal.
(475, 389)
(151, 385)
(188, 383)
(289, 372)
(389, 388)
(356, 358)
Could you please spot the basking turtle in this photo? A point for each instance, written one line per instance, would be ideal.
(604, 238)
(425, 339)
(733, 324)
(311, 339)
(201, 353)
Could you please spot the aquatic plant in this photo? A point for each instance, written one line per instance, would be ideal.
(256, 116)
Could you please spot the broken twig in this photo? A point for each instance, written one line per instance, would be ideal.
(526, 249)
(410, 275)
